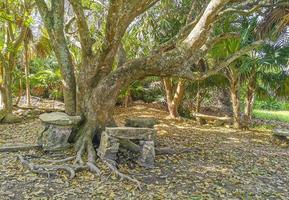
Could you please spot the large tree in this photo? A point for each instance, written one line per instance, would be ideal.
(99, 83)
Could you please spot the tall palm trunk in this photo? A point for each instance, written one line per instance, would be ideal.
(20, 91)
(235, 99)
(7, 85)
(250, 97)
(26, 70)
(1, 98)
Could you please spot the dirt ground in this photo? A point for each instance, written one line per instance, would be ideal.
(224, 164)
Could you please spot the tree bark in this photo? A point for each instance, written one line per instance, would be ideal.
(198, 99)
(1, 98)
(250, 97)
(26, 70)
(173, 98)
(7, 85)
(19, 92)
(54, 23)
(235, 99)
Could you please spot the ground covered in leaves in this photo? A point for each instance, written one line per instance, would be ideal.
(224, 164)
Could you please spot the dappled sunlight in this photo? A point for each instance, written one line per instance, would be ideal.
(216, 169)
(234, 140)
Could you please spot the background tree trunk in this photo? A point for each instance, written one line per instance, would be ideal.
(7, 85)
(235, 99)
(26, 70)
(1, 98)
(173, 98)
(19, 92)
(250, 97)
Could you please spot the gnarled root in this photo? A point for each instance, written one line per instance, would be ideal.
(46, 169)
(86, 146)
(112, 166)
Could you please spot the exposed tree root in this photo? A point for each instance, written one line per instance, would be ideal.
(19, 147)
(86, 146)
(46, 169)
(58, 161)
(112, 166)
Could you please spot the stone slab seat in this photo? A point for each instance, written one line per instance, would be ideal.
(281, 132)
(57, 128)
(59, 118)
(131, 133)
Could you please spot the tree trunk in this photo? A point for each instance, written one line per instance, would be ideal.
(173, 100)
(198, 100)
(7, 86)
(127, 99)
(19, 92)
(26, 70)
(1, 98)
(67, 70)
(250, 97)
(234, 89)
(54, 23)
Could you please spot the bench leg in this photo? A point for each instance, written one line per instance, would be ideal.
(147, 156)
(108, 147)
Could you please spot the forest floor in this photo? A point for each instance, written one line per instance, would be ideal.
(224, 164)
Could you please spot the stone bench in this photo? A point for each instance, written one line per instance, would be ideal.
(280, 135)
(57, 129)
(217, 121)
(109, 144)
(140, 122)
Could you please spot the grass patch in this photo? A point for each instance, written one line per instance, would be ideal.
(272, 115)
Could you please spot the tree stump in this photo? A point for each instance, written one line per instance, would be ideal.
(109, 143)
(57, 129)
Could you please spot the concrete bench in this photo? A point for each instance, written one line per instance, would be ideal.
(280, 135)
(217, 121)
(109, 144)
(57, 127)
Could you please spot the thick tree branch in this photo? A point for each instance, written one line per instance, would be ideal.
(229, 60)
(120, 15)
(199, 34)
(44, 11)
(83, 29)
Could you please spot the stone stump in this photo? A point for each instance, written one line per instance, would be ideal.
(109, 144)
(57, 129)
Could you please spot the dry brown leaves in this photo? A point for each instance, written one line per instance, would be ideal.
(225, 164)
